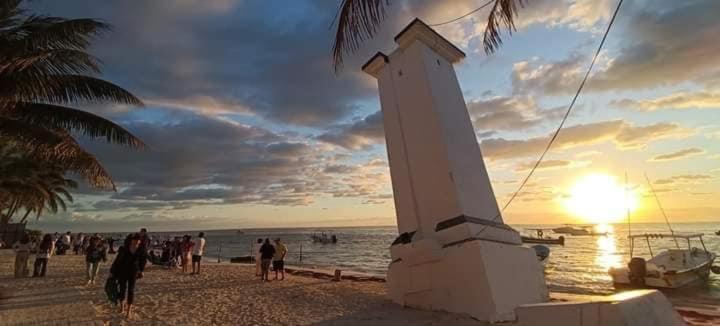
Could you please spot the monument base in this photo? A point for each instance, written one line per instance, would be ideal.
(485, 279)
(634, 308)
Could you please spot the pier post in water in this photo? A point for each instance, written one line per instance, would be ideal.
(454, 253)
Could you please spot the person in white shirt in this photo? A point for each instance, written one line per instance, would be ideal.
(65, 242)
(198, 252)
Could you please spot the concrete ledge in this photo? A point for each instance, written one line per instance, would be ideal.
(637, 308)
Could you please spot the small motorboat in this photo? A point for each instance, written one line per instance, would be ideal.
(541, 239)
(671, 268)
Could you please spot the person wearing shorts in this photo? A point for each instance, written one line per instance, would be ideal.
(279, 258)
(198, 253)
(267, 251)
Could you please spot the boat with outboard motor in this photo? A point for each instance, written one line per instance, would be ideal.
(671, 268)
(541, 238)
(324, 238)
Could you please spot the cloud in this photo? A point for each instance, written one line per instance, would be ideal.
(623, 134)
(509, 113)
(659, 47)
(685, 178)
(677, 101)
(361, 134)
(678, 155)
(549, 165)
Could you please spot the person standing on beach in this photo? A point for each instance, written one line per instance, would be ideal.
(94, 253)
(144, 246)
(258, 260)
(198, 253)
(45, 250)
(22, 254)
(77, 244)
(267, 251)
(127, 268)
(186, 249)
(279, 258)
(65, 242)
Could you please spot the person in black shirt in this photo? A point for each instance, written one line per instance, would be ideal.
(94, 253)
(267, 251)
(127, 268)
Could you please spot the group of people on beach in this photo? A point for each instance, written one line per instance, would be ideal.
(270, 254)
(179, 252)
(128, 266)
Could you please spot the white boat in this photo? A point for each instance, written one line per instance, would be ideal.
(671, 268)
(577, 230)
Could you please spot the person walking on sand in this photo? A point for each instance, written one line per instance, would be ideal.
(65, 240)
(267, 251)
(279, 258)
(127, 268)
(186, 249)
(258, 260)
(94, 253)
(198, 253)
(22, 254)
(44, 252)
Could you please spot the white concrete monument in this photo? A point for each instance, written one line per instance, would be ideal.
(454, 252)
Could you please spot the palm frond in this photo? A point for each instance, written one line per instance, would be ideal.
(49, 62)
(63, 89)
(503, 13)
(56, 147)
(72, 120)
(358, 20)
(41, 32)
(9, 13)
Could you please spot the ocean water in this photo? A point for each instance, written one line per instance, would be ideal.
(578, 267)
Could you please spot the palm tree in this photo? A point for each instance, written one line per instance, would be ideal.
(44, 67)
(359, 20)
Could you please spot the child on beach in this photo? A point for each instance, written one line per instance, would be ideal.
(279, 258)
(127, 269)
(45, 250)
(22, 253)
(267, 251)
(94, 253)
(198, 253)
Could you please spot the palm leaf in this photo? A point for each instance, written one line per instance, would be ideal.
(503, 12)
(41, 32)
(62, 89)
(358, 20)
(72, 120)
(49, 62)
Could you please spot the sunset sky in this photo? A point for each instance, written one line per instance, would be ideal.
(247, 125)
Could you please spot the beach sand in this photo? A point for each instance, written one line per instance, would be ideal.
(225, 294)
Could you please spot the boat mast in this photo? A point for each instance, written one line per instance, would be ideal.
(657, 200)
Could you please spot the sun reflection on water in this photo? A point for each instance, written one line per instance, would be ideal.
(607, 256)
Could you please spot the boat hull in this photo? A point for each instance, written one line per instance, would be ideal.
(559, 241)
(665, 280)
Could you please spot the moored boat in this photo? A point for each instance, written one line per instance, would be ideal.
(671, 268)
(541, 239)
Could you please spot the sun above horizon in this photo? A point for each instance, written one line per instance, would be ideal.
(598, 198)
